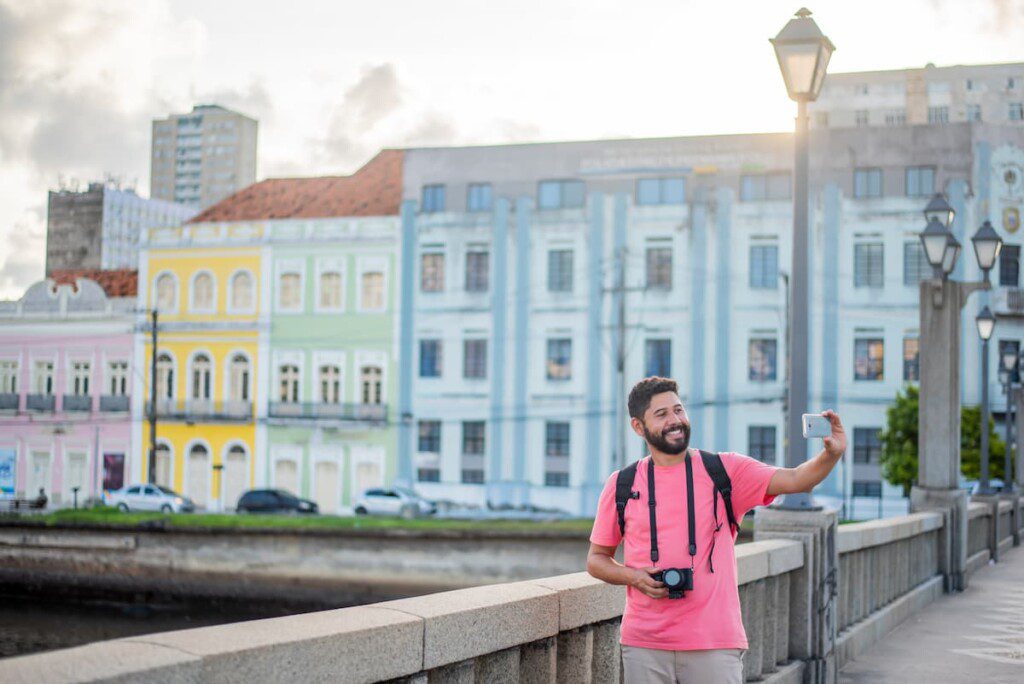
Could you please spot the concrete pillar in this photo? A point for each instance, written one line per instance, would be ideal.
(456, 673)
(812, 607)
(500, 668)
(782, 620)
(575, 656)
(538, 661)
(607, 663)
(994, 528)
(952, 548)
(752, 599)
(771, 602)
(1014, 499)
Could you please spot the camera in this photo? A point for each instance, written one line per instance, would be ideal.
(677, 581)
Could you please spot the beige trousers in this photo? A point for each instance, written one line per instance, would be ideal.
(719, 666)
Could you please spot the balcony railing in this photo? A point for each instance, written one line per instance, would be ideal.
(40, 402)
(77, 403)
(198, 411)
(9, 401)
(1007, 301)
(374, 413)
(114, 403)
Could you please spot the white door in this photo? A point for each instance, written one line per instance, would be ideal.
(327, 486)
(235, 477)
(367, 475)
(197, 484)
(286, 476)
(38, 475)
(163, 466)
(74, 476)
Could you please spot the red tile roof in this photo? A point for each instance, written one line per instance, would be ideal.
(120, 283)
(373, 190)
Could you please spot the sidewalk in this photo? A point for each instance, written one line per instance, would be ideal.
(976, 636)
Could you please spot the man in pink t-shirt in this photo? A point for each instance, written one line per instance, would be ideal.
(699, 637)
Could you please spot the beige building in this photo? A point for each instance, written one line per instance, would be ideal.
(988, 93)
(201, 157)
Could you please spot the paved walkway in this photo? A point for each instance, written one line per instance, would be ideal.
(976, 636)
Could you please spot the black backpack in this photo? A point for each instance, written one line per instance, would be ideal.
(712, 463)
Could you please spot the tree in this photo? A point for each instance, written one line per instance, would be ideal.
(899, 442)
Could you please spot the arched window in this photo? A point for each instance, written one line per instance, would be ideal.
(330, 384)
(239, 389)
(373, 290)
(202, 292)
(164, 376)
(197, 476)
(289, 384)
(166, 292)
(242, 291)
(289, 294)
(202, 371)
(330, 290)
(371, 377)
(163, 464)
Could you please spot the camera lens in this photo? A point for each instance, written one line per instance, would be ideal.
(672, 578)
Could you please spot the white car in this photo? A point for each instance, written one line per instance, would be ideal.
(394, 501)
(148, 497)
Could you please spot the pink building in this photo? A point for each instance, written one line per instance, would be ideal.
(66, 369)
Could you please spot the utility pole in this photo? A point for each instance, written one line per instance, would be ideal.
(620, 361)
(151, 475)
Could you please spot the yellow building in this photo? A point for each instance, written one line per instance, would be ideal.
(207, 295)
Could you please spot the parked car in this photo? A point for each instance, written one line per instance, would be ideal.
(274, 501)
(394, 501)
(148, 497)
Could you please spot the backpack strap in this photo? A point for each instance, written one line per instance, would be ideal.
(723, 485)
(624, 492)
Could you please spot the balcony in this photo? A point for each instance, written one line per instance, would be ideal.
(310, 411)
(114, 403)
(1007, 301)
(40, 402)
(9, 401)
(77, 403)
(200, 411)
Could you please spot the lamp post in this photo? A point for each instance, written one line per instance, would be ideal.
(1009, 377)
(803, 53)
(986, 325)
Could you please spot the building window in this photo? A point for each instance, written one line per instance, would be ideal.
(560, 270)
(559, 361)
(428, 474)
(8, 377)
(431, 362)
(659, 268)
(764, 266)
(762, 359)
(238, 389)
(938, 115)
(868, 358)
(860, 117)
(911, 360)
(202, 374)
(290, 292)
(765, 186)
(974, 112)
(915, 263)
(202, 292)
(429, 437)
(330, 290)
(80, 372)
(371, 380)
(659, 358)
(373, 291)
(117, 375)
(433, 198)
(872, 488)
(474, 359)
(561, 194)
(165, 377)
(241, 291)
(432, 272)
(478, 197)
(661, 191)
(868, 264)
(896, 117)
(920, 181)
(761, 442)
(1016, 111)
(330, 384)
(867, 183)
(42, 378)
(477, 271)
(473, 445)
(867, 446)
(556, 462)
(289, 375)
(166, 292)
(1009, 265)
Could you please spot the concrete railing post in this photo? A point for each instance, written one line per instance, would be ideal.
(992, 535)
(575, 656)
(952, 504)
(538, 661)
(812, 588)
(607, 653)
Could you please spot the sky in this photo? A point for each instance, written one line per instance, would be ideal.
(333, 81)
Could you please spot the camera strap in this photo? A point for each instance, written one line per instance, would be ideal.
(691, 518)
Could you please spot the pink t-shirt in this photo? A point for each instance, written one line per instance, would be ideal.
(709, 616)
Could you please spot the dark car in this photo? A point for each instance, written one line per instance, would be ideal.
(274, 501)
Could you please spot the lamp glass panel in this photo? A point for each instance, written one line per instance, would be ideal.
(987, 251)
(949, 257)
(798, 62)
(985, 327)
(934, 247)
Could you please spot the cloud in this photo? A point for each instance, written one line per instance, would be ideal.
(25, 256)
(365, 105)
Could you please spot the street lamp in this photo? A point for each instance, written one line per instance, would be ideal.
(803, 53)
(986, 324)
(1009, 377)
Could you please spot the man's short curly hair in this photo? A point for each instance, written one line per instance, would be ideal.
(640, 395)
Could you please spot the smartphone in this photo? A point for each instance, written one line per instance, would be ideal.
(816, 425)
